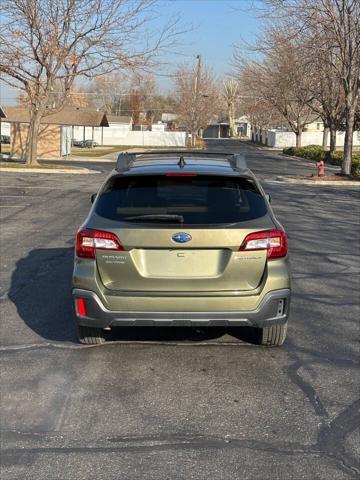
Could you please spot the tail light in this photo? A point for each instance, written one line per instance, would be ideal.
(274, 241)
(87, 241)
(81, 307)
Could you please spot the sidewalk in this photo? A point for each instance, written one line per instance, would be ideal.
(73, 170)
(318, 181)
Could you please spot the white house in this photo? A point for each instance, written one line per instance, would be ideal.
(221, 129)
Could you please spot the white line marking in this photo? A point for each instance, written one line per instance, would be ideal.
(15, 206)
(74, 346)
(24, 187)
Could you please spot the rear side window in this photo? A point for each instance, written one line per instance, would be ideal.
(199, 200)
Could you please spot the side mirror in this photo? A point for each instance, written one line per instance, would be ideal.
(93, 196)
(268, 198)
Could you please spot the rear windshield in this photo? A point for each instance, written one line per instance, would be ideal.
(195, 200)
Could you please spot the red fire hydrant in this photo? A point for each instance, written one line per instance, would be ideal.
(321, 168)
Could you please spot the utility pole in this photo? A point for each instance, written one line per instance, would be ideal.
(197, 76)
(196, 89)
(2, 115)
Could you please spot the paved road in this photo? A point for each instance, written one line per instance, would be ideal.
(178, 404)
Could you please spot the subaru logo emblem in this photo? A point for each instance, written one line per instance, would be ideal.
(181, 237)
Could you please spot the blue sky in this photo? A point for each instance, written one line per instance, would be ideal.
(216, 26)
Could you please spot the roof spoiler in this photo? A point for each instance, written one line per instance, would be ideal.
(126, 159)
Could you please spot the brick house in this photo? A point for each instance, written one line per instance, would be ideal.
(55, 134)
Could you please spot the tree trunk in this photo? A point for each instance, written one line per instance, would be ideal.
(298, 138)
(193, 139)
(232, 120)
(325, 137)
(332, 139)
(33, 134)
(348, 142)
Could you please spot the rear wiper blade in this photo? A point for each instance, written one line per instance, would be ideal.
(158, 218)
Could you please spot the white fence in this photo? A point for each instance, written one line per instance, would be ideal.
(122, 135)
(117, 134)
(5, 128)
(281, 139)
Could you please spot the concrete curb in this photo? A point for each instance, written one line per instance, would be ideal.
(93, 159)
(319, 182)
(77, 171)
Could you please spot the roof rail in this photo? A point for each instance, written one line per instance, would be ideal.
(126, 159)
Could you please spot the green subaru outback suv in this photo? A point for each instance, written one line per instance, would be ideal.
(181, 239)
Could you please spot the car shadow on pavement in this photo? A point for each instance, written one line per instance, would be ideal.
(183, 334)
(41, 291)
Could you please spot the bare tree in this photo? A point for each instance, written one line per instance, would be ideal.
(77, 98)
(261, 113)
(230, 94)
(106, 92)
(357, 116)
(327, 99)
(278, 79)
(50, 42)
(197, 98)
(143, 88)
(135, 106)
(340, 20)
(149, 119)
(114, 93)
(334, 25)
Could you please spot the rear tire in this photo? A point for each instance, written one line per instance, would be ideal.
(91, 335)
(273, 336)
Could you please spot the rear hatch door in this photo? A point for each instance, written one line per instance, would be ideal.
(181, 234)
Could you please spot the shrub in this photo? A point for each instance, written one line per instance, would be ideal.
(355, 168)
(289, 150)
(337, 158)
(314, 152)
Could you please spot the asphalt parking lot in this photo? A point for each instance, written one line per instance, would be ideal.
(178, 403)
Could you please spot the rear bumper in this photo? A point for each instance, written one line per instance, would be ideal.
(269, 312)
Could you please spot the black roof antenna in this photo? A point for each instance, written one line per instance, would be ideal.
(181, 162)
